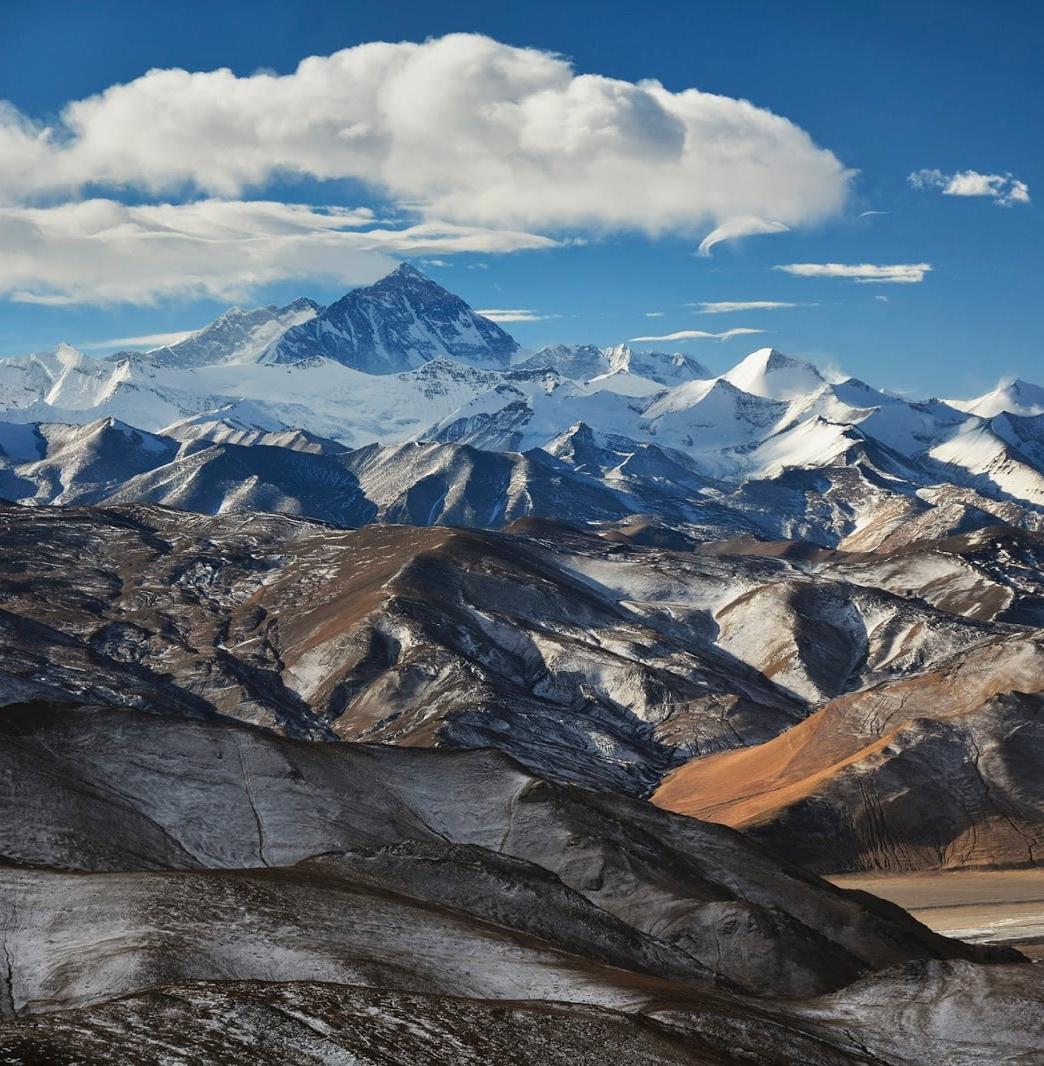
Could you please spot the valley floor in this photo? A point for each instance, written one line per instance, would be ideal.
(980, 906)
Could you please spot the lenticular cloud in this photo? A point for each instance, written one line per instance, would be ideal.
(461, 129)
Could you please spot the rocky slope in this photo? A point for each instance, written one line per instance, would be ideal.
(939, 769)
(203, 462)
(942, 770)
(783, 601)
(887, 718)
(397, 324)
(150, 857)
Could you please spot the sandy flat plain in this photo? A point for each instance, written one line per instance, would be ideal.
(1003, 906)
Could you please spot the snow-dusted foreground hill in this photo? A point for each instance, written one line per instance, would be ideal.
(192, 891)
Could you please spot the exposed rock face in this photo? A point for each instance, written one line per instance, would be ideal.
(77, 464)
(771, 447)
(271, 1024)
(399, 323)
(213, 478)
(935, 1015)
(424, 484)
(195, 866)
(169, 876)
(942, 770)
(410, 636)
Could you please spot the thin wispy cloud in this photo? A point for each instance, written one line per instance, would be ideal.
(870, 214)
(865, 273)
(147, 341)
(735, 228)
(513, 314)
(697, 335)
(725, 307)
(1005, 189)
(654, 314)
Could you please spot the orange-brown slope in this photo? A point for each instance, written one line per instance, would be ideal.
(464, 637)
(942, 770)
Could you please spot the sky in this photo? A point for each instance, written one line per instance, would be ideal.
(859, 185)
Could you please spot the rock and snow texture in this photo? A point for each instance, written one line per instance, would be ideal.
(775, 446)
(182, 886)
(241, 456)
(585, 362)
(937, 771)
(785, 602)
(914, 676)
(237, 336)
(399, 323)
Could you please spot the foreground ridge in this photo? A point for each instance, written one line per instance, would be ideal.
(200, 836)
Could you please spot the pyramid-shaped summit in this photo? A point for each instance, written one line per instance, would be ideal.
(399, 323)
(775, 376)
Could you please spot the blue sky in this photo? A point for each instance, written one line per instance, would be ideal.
(889, 89)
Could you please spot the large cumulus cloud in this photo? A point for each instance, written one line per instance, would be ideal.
(458, 130)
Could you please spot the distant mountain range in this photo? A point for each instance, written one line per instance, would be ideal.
(399, 402)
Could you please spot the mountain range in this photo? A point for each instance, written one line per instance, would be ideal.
(375, 690)
(404, 388)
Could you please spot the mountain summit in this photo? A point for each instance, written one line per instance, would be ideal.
(1015, 397)
(775, 376)
(399, 323)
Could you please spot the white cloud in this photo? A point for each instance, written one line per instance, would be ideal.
(724, 307)
(734, 228)
(516, 314)
(868, 273)
(881, 299)
(697, 335)
(105, 252)
(460, 128)
(147, 341)
(1018, 193)
(654, 314)
(1005, 189)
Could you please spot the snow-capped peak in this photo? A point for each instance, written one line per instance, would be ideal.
(399, 323)
(235, 336)
(1015, 397)
(663, 367)
(767, 372)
